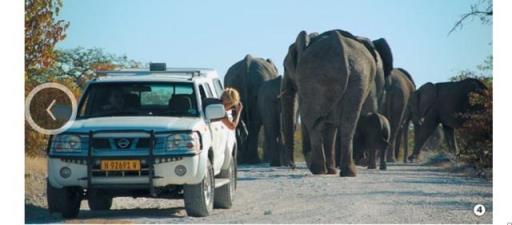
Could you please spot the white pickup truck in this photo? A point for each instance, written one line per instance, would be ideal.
(145, 133)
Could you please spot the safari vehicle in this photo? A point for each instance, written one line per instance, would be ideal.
(145, 133)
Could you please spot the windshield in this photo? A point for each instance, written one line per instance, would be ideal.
(138, 99)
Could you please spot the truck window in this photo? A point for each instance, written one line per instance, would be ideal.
(218, 87)
(208, 90)
(202, 92)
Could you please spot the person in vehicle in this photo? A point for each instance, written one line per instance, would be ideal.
(115, 102)
(231, 99)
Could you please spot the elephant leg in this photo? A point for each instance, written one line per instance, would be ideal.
(252, 143)
(272, 151)
(351, 105)
(241, 146)
(383, 165)
(406, 141)
(450, 139)
(397, 142)
(372, 158)
(395, 128)
(337, 150)
(329, 134)
(306, 145)
(318, 160)
(421, 134)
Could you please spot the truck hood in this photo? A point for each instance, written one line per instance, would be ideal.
(155, 123)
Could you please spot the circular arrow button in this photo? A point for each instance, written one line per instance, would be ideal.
(50, 108)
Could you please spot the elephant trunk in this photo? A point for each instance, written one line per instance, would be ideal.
(288, 117)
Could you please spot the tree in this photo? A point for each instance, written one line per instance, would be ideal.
(80, 64)
(475, 136)
(42, 32)
(482, 9)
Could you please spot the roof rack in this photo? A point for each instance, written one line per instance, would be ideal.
(158, 68)
(189, 73)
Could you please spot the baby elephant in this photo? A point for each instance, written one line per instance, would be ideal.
(372, 134)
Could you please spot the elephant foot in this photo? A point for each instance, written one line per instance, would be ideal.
(349, 171)
(331, 171)
(382, 167)
(317, 169)
(372, 166)
(275, 164)
(412, 158)
(253, 161)
(361, 162)
(391, 160)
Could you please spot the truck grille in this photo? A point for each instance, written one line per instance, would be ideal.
(115, 143)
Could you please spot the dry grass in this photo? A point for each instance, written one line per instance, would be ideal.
(35, 181)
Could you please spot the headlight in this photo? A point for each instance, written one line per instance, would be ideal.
(67, 143)
(183, 142)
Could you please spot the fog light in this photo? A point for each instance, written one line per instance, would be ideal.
(65, 172)
(180, 170)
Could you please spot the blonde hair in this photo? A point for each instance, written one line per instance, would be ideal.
(230, 97)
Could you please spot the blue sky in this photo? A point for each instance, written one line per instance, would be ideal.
(217, 34)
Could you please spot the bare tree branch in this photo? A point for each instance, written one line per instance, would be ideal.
(485, 15)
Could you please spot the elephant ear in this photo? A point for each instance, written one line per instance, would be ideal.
(269, 61)
(423, 101)
(384, 50)
(247, 62)
(301, 43)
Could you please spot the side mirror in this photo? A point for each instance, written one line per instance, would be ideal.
(214, 112)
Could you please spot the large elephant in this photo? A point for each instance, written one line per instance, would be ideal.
(442, 103)
(332, 75)
(269, 104)
(247, 76)
(375, 100)
(399, 89)
(373, 133)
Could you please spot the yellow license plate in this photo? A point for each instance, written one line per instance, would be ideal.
(120, 165)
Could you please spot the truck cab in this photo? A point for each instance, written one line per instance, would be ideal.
(153, 132)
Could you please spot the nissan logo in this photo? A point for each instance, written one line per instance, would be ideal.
(123, 143)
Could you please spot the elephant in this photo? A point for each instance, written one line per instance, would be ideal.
(269, 104)
(331, 75)
(442, 103)
(247, 76)
(375, 100)
(399, 89)
(373, 133)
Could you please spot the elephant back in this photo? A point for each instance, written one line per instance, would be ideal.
(423, 101)
(408, 75)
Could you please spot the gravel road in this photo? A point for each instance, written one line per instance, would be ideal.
(405, 193)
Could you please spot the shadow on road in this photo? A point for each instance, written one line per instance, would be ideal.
(36, 214)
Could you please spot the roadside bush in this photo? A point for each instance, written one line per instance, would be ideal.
(475, 137)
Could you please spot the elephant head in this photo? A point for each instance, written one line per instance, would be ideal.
(422, 101)
(476, 85)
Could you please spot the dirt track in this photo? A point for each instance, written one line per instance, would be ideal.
(409, 193)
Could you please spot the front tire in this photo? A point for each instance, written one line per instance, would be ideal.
(64, 200)
(225, 195)
(98, 200)
(199, 197)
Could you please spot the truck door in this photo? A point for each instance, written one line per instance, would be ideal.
(216, 129)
